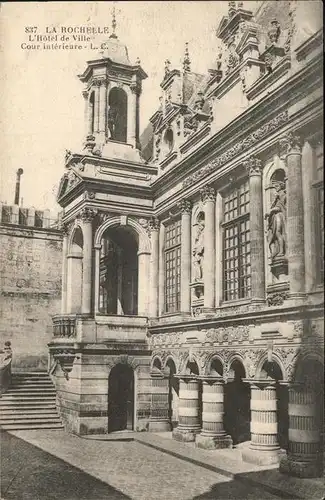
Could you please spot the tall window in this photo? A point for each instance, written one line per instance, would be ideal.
(236, 244)
(173, 266)
(319, 193)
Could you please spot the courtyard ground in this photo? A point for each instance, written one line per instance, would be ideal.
(42, 464)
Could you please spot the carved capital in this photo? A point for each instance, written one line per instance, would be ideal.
(85, 94)
(290, 144)
(208, 194)
(154, 224)
(185, 206)
(135, 88)
(253, 166)
(87, 214)
(99, 82)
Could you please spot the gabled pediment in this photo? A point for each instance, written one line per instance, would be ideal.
(68, 181)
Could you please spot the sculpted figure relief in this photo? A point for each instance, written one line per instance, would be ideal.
(277, 222)
(198, 250)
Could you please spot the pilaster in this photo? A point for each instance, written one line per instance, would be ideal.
(186, 210)
(254, 170)
(87, 215)
(208, 197)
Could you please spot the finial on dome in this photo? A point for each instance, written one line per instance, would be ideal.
(113, 35)
(138, 62)
(186, 60)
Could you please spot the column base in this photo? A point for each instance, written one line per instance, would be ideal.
(217, 442)
(259, 456)
(301, 468)
(159, 426)
(185, 435)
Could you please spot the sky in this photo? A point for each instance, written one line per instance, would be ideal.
(42, 109)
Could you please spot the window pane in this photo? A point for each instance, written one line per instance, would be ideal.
(172, 266)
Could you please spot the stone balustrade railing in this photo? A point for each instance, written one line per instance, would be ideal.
(64, 325)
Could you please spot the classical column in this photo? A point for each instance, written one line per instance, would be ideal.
(85, 95)
(303, 456)
(64, 270)
(208, 198)
(188, 410)
(256, 228)
(213, 434)
(159, 411)
(87, 215)
(132, 114)
(161, 293)
(186, 211)
(154, 267)
(264, 448)
(96, 106)
(295, 217)
(143, 274)
(102, 107)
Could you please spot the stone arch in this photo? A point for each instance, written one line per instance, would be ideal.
(209, 363)
(186, 362)
(301, 362)
(156, 361)
(141, 234)
(75, 226)
(123, 359)
(235, 359)
(264, 359)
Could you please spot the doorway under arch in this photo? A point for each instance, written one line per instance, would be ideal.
(74, 272)
(237, 404)
(121, 398)
(173, 392)
(117, 115)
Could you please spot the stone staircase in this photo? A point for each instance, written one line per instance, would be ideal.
(29, 403)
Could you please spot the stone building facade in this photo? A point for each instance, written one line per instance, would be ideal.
(192, 286)
(30, 277)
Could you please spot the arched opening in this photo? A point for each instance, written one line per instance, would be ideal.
(91, 111)
(117, 115)
(121, 398)
(237, 404)
(271, 371)
(74, 270)
(173, 394)
(168, 141)
(118, 272)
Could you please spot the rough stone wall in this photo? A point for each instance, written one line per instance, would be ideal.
(30, 288)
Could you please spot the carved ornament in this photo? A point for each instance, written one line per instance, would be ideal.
(290, 144)
(207, 194)
(153, 224)
(185, 206)
(87, 214)
(277, 298)
(241, 146)
(253, 166)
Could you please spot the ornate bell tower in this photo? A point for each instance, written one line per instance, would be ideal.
(112, 89)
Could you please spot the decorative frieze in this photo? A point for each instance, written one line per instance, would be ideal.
(228, 334)
(241, 146)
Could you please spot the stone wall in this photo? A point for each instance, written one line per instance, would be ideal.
(30, 284)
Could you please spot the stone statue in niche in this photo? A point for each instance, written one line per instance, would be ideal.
(198, 250)
(277, 222)
(112, 120)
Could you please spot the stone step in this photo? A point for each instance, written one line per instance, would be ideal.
(25, 419)
(32, 383)
(34, 399)
(25, 393)
(26, 390)
(27, 404)
(29, 426)
(30, 411)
